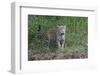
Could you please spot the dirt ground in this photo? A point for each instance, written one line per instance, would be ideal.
(58, 55)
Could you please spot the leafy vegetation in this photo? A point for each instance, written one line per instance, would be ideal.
(76, 36)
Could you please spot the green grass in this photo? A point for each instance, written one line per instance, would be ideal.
(76, 33)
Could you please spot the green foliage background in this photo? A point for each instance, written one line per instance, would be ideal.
(76, 32)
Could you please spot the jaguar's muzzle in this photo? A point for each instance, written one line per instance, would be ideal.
(61, 42)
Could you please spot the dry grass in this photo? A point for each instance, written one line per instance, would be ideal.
(58, 55)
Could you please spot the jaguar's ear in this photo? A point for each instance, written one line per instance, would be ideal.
(57, 26)
(65, 26)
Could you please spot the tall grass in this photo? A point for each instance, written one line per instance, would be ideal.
(76, 32)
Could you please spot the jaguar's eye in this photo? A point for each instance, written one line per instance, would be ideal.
(62, 33)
